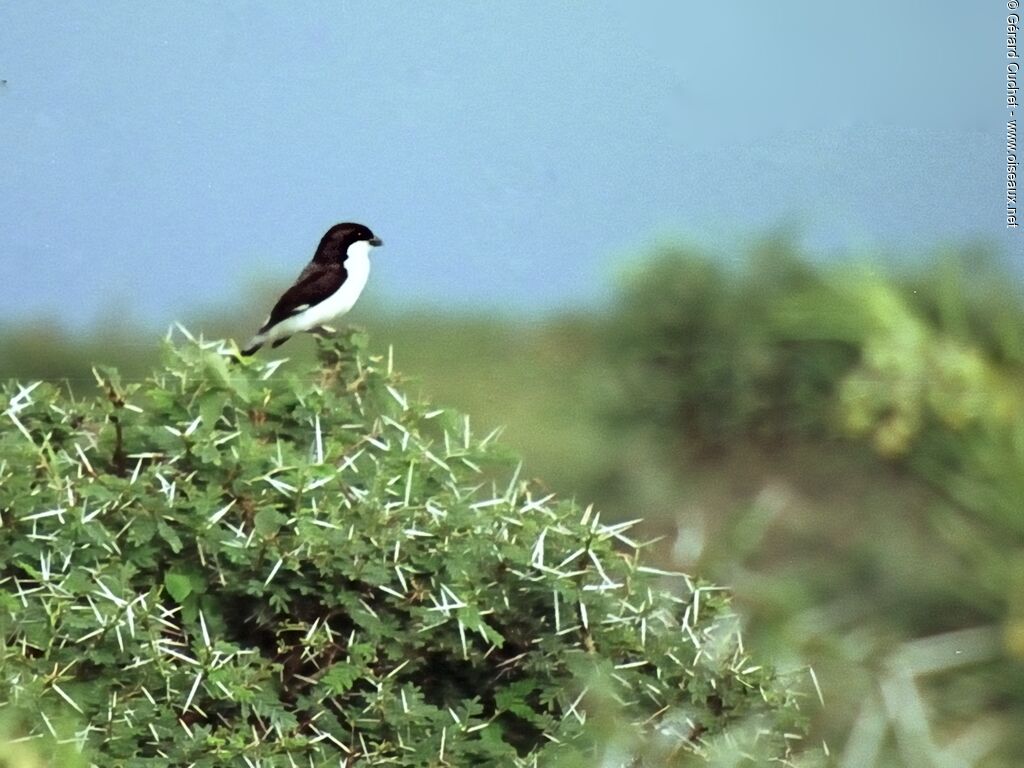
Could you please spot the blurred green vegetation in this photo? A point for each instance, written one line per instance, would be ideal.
(849, 448)
(840, 442)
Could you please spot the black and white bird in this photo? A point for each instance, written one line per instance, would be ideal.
(328, 286)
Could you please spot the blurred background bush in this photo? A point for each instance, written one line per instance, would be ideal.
(840, 442)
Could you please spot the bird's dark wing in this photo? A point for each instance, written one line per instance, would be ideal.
(316, 283)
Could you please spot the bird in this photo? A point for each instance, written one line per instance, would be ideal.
(328, 287)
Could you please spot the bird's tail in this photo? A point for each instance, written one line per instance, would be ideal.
(254, 345)
(257, 341)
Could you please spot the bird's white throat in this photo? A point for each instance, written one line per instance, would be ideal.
(358, 250)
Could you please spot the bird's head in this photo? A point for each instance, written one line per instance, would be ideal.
(338, 243)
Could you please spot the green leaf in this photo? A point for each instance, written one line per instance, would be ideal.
(340, 677)
(513, 699)
(179, 585)
(217, 365)
(268, 522)
(168, 534)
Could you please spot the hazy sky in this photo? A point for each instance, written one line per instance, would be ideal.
(164, 157)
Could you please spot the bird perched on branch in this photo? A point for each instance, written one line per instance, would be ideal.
(328, 286)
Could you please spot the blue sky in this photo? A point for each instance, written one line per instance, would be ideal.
(161, 159)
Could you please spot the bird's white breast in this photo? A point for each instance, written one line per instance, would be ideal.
(342, 300)
(357, 265)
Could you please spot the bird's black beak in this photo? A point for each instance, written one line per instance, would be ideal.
(376, 242)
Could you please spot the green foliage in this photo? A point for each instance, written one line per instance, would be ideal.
(770, 346)
(43, 350)
(882, 415)
(19, 748)
(229, 564)
(696, 347)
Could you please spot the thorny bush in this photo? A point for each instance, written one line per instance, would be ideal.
(228, 564)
